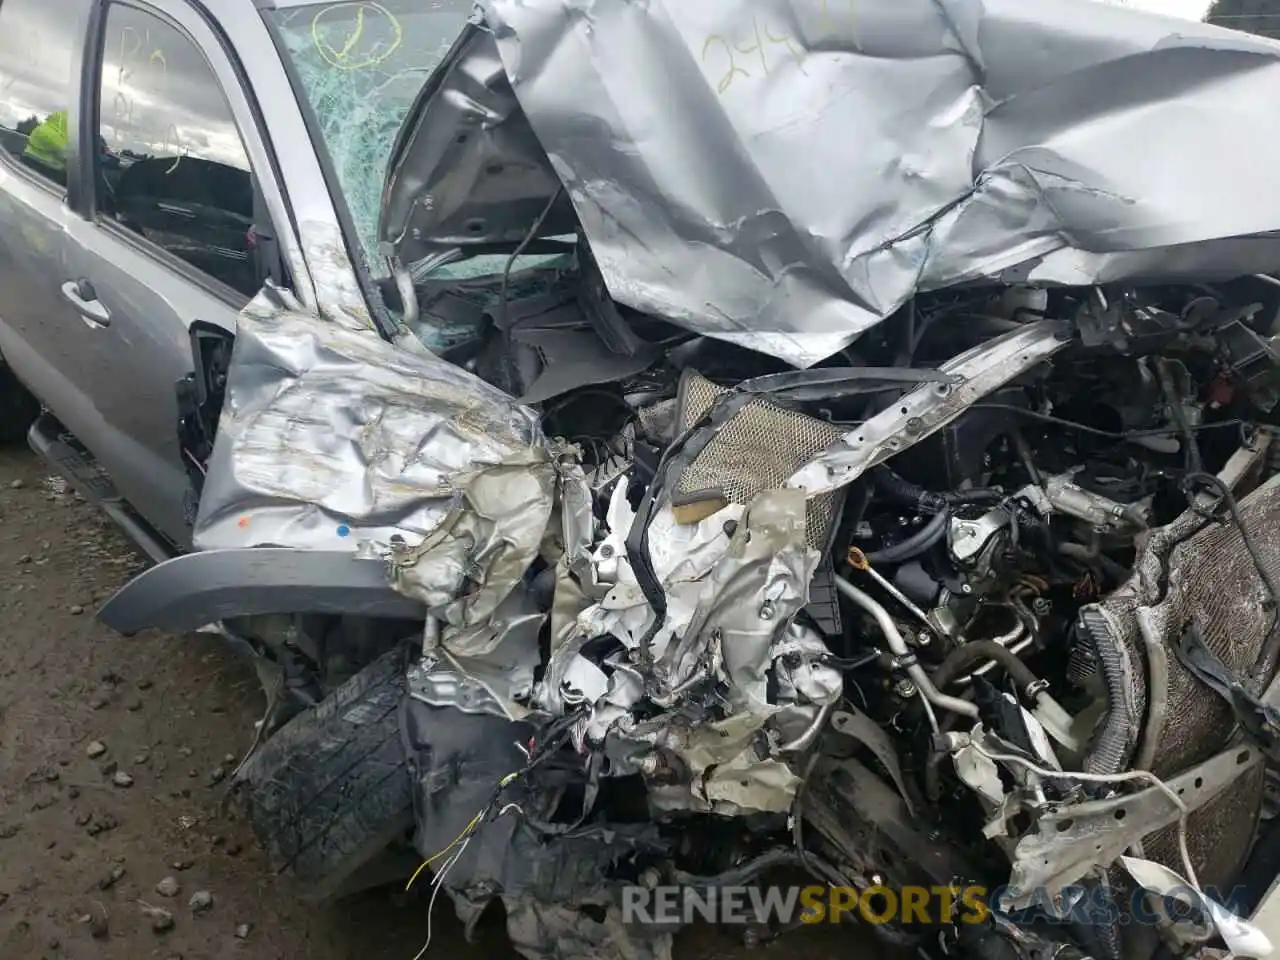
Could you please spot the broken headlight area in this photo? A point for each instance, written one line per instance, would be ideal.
(986, 602)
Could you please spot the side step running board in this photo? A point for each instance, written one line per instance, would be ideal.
(49, 439)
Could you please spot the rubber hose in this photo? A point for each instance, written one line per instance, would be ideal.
(898, 488)
(963, 658)
(903, 491)
(914, 545)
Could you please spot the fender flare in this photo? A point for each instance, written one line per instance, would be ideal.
(196, 589)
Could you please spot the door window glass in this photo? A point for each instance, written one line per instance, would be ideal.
(171, 164)
(38, 43)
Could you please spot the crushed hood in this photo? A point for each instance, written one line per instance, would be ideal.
(784, 174)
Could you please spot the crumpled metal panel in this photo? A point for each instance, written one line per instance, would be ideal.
(786, 173)
(334, 439)
(733, 582)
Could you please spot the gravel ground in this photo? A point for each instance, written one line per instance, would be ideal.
(113, 754)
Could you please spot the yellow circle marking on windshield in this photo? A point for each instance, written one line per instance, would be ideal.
(360, 48)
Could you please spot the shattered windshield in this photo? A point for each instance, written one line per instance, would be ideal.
(360, 66)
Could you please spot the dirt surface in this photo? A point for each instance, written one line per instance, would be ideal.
(81, 855)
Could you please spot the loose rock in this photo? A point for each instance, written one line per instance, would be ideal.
(169, 887)
(112, 878)
(102, 824)
(217, 775)
(75, 609)
(122, 779)
(182, 864)
(17, 484)
(242, 931)
(95, 749)
(201, 901)
(161, 919)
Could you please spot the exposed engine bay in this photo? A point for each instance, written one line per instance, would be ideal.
(986, 599)
(877, 517)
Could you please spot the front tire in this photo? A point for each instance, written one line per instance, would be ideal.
(331, 790)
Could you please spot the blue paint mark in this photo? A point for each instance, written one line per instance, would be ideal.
(343, 530)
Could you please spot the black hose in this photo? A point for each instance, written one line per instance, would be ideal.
(914, 545)
(902, 491)
(964, 657)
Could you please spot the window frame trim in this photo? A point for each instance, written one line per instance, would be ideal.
(88, 128)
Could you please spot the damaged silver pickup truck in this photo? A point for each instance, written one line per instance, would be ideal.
(862, 461)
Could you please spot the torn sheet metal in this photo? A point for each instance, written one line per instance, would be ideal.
(332, 439)
(760, 584)
(733, 582)
(784, 174)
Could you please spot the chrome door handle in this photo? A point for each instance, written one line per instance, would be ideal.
(81, 295)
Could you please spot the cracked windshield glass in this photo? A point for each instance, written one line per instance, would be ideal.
(360, 65)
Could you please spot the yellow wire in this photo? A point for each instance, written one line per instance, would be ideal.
(458, 839)
(436, 856)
